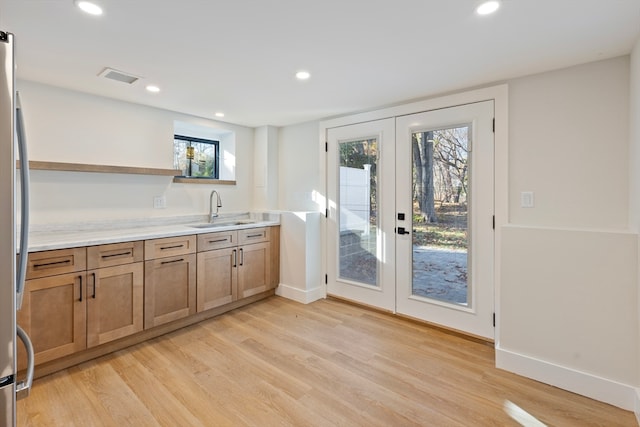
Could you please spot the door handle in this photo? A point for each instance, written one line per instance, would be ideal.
(94, 285)
(401, 230)
(24, 387)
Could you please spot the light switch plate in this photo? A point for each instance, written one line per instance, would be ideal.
(526, 199)
(159, 202)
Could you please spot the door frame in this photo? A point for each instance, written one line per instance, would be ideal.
(500, 95)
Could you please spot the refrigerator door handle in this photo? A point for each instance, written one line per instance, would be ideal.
(23, 388)
(24, 206)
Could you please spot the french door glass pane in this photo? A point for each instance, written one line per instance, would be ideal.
(440, 214)
(359, 245)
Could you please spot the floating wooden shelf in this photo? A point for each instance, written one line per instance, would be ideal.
(81, 167)
(183, 180)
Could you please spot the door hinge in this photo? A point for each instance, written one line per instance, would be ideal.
(493, 222)
(326, 279)
(494, 320)
(494, 125)
(326, 147)
(326, 213)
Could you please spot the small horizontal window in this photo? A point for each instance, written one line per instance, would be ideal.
(196, 157)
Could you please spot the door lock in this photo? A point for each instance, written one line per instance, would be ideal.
(401, 230)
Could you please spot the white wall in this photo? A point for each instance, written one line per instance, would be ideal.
(265, 168)
(67, 126)
(634, 175)
(300, 275)
(299, 179)
(569, 269)
(568, 143)
(634, 148)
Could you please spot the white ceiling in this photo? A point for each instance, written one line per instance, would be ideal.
(240, 56)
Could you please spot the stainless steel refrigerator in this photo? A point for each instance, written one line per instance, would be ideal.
(12, 268)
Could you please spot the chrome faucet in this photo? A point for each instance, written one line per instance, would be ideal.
(213, 214)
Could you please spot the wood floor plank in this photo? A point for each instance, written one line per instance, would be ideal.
(329, 363)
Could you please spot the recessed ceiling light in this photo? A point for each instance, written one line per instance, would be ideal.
(219, 114)
(488, 7)
(302, 75)
(152, 88)
(88, 7)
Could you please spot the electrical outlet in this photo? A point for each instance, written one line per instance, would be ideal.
(159, 202)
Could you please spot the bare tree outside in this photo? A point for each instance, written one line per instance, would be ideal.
(422, 144)
(440, 187)
(440, 208)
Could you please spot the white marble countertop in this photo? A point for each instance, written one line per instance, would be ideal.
(63, 236)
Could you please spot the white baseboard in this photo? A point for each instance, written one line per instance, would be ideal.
(299, 295)
(637, 407)
(592, 386)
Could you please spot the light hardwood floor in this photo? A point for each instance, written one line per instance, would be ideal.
(280, 363)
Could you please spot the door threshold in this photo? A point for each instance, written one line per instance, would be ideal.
(445, 329)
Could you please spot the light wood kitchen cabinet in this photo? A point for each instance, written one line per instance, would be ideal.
(217, 282)
(240, 269)
(115, 291)
(54, 310)
(169, 280)
(254, 269)
(83, 302)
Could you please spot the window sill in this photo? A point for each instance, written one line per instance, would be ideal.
(208, 181)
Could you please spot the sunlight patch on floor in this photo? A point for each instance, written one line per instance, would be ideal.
(521, 416)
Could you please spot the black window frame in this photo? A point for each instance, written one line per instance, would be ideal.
(216, 160)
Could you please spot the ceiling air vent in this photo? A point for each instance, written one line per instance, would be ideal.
(120, 76)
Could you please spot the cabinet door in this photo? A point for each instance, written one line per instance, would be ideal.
(169, 289)
(254, 269)
(54, 315)
(217, 278)
(114, 302)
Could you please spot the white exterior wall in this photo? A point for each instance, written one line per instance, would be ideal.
(355, 199)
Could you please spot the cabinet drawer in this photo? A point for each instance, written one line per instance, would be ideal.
(170, 246)
(219, 240)
(115, 254)
(253, 235)
(51, 263)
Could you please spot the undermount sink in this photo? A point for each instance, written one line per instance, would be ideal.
(223, 223)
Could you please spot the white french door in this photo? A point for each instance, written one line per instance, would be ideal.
(445, 261)
(360, 239)
(410, 210)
